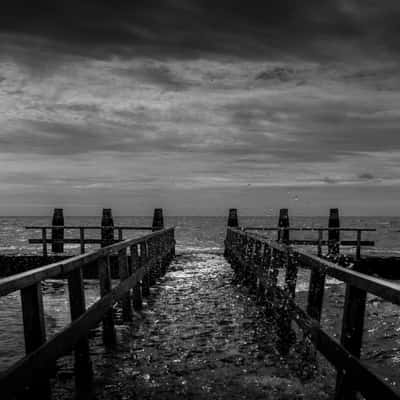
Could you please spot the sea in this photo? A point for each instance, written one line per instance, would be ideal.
(205, 235)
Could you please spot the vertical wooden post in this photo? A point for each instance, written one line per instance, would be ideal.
(120, 235)
(57, 234)
(358, 248)
(283, 223)
(158, 220)
(107, 228)
(143, 264)
(286, 333)
(123, 268)
(320, 237)
(316, 293)
(83, 365)
(82, 239)
(233, 220)
(44, 242)
(109, 335)
(333, 234)
(35, 334)
(273, 273)
(351, 337)
(137, 290)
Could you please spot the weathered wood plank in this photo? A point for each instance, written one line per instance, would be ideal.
(19, 281)
(35, 334)
(83, 364)
(64, 341)
(124, 274)
(109, 334)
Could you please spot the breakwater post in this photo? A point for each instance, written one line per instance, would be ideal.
(57, 234)
(107, 228)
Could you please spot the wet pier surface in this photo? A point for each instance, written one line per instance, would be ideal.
(201, 336)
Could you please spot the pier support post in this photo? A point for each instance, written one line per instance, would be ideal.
(283, 223)
(107, 228)
(35, 335)
(83, 365)
(143, 264)
(137, 290)
(109, 335)
(123, 269)
(158, 220)
(233, 220)
(333, 234)
(57, 234)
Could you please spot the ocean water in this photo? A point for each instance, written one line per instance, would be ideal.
(205, 235)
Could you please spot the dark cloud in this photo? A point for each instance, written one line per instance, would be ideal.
(188, 27)
(366, 176)
(160, 75)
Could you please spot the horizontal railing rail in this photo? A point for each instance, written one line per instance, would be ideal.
(257, 260)
(140, 262)
(57, 240)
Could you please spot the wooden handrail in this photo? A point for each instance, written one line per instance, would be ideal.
(156, 251)
(266, 228)
(116, 227)
(18, 281)
(256, 260)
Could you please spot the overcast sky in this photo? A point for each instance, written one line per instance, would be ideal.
(196, 108)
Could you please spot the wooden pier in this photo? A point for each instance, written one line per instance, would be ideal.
(140, 262)
(260, 263)
(257, 263)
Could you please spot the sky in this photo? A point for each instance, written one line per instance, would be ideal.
(198, 106)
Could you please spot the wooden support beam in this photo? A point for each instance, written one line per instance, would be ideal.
(333, 235)
(283, 223)
(107, 228)
(137, 290)
(57, 234)
(158, 220)
(109, 334)
(83, 364)
(123, 269)
(35, 335)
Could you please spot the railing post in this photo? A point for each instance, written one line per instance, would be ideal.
(44, 242)
(109, 335)
(57, 234)
(83, 365)
(137, 291)
(107, 228)
(233, 221)
(286, 333)
(143, 264)
(283, 223)
(158, 220)
(123, 269)
(333, 234)
(35, 334)
(351, 337)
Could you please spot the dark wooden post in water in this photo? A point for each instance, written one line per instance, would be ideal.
(158, 220)
(233, 221)
(333, 234)
(35, 333)
(109, 335)
(83, 365)
(351, 337)
(107, 228)
(283, 234)
(125, 302)
(57, 234)
(137, 290)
